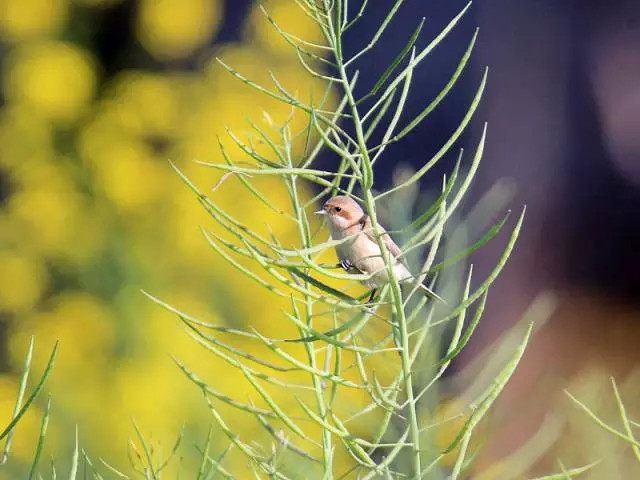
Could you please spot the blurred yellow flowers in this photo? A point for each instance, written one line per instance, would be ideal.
(55, 78)
(175, 28)
(24, 19)
(91, 213)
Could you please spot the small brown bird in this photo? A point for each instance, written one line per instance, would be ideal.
(361, 252)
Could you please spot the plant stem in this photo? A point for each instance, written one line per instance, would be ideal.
(305, 237)
(366, 183)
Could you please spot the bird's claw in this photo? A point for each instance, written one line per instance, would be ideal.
(372, 296)
(346, 265)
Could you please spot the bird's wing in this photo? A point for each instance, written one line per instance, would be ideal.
(386, 238)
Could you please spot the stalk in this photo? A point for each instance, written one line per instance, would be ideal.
(366, 183)
(305, 237)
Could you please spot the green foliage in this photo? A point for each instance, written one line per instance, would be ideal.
(298, 273)
(21, 408)
(305, 388)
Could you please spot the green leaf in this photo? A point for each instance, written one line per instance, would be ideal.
(387, 73)
(468, 332)
(378, 34)
(601, 423)
(448, 144)
(21, 390)
(43, 432)
(571, 473)
(113, 470)
(625, 419)
(147, 452)
(74, 459)
(435, 206)
(498, 384)
(494, 273)
(34, 394)
(492, 232)
(443, 93)
(331, 333)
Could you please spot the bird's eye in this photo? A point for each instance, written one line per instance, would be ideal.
(338, 209)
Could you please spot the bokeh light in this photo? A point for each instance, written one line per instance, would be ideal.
(55, 78)
(175, 28)
(91, 213)
(21, 20)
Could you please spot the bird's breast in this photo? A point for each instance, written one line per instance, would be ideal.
(366, 255)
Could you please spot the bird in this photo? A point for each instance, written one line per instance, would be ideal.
(360, 252)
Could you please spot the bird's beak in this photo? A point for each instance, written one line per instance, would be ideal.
(320, 212)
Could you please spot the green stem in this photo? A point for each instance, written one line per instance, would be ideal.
(366, 183)
(305, 236)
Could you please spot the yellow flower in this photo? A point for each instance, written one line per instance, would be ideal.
(21, 19)
(56, 79)
(129, 175)
(144, 103)
(26, 140)
(113, 360)
(46, 213)
(175, 28)
(71, 316)
(98, 3)
(22, 281)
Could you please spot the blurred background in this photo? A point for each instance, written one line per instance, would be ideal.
(97, 95)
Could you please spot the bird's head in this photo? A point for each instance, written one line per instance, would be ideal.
(341, 211)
